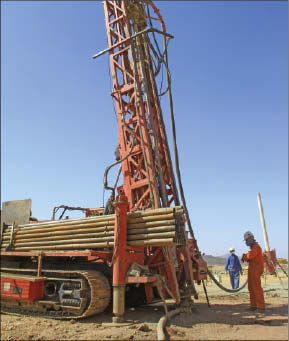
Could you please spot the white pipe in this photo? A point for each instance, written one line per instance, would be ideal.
(263, 222)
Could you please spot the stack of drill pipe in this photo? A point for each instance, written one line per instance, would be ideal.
(145, 228)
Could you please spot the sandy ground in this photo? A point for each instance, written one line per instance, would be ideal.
(225, 319)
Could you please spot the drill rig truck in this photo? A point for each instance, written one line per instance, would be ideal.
(136, 249)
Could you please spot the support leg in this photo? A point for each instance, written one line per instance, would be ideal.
(118, 303)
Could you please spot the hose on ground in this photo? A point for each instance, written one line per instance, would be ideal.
(224, 288)
(163, 320)
(162, 323)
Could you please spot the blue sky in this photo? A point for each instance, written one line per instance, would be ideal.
(230, 83)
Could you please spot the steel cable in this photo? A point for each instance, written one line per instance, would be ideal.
(175, 142)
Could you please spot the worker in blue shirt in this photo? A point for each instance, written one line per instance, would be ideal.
(235, 268)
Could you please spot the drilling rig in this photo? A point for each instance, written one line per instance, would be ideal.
(136, 249)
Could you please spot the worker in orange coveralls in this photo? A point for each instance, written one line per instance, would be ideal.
(255, 269)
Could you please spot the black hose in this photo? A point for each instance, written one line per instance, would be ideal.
(130, 132)
(224, 288)
(205, 290)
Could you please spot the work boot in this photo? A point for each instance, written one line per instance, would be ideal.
(252, 309)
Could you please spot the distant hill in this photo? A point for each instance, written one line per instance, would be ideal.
(224, 256)
(282, 260)
(212, 260)
(220, 260)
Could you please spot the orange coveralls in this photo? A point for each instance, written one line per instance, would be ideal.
(255, 269)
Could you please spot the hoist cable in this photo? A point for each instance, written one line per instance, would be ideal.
(175, 142)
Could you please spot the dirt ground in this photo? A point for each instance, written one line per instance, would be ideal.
(225, 319)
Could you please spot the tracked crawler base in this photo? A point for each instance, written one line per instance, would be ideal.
(66, 294)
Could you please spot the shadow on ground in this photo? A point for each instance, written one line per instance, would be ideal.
(233, 315)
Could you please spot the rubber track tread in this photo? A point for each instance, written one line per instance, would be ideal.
(98, 301)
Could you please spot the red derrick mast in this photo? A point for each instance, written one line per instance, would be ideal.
(148, 178)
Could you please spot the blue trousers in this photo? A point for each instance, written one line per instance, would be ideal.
(234, 277)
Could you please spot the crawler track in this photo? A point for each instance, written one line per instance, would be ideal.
(95, 297)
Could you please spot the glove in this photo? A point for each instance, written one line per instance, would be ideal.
(243, 257)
